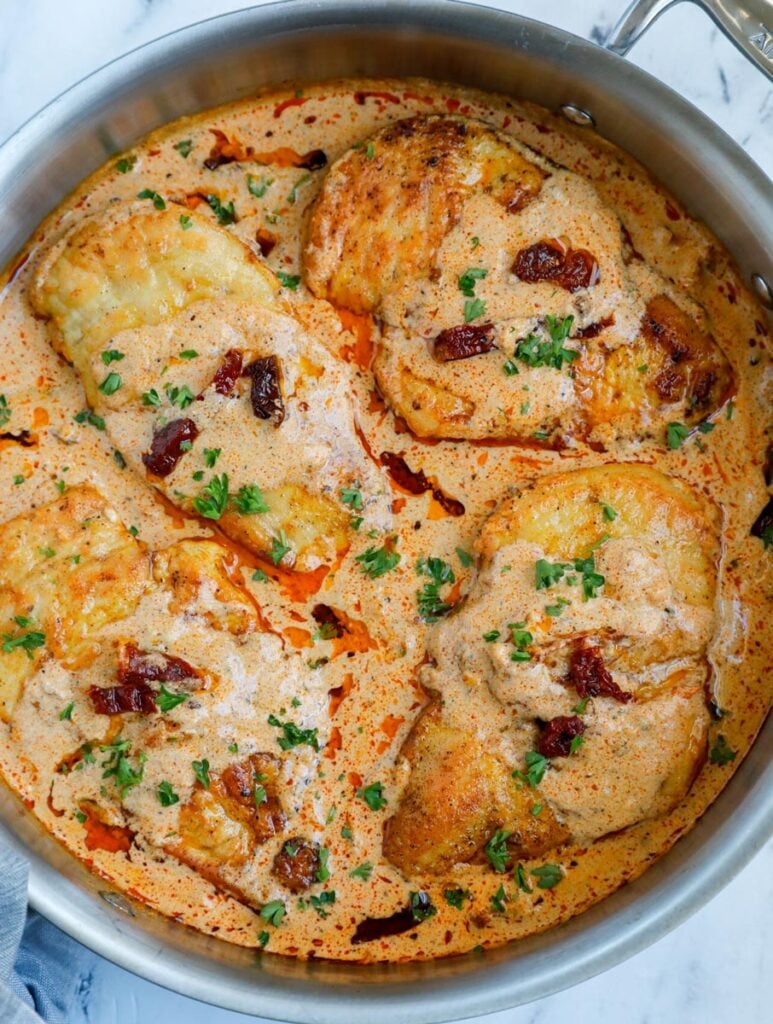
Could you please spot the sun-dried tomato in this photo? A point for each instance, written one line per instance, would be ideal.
(551, 260)
(556, 738)
(136, 666)
(590, 677)
(266, 389)
(166, 449)
(119, 700)
(463, 341)
(229, 371)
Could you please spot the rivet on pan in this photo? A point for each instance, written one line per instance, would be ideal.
(117, 901)
(762, 290)
(577, 115)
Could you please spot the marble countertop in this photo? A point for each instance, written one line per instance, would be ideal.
(718, 966)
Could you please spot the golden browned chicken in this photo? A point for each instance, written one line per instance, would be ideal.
(572, 679)
(208, 386)
(509, 302)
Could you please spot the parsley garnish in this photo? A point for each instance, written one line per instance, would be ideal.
(258, 186)
(467, 280)
(211, 455)
(464, 557)
(323, 901)
(225, 212)
(521, 879)
(431, 606)
(491, 636)
(279, 548)
(181, 396)
(151, 398)
(546, 574)
(323, 871)
(213, 500)
(273, 912)
(290, 281)
(473, 309)
(65, 715)
(609, 513)
(456, 897)
(27, 642)
(166, 700)
(86, 416)
(148, 193)
(364, 871)
(125, 164)
(185, 221)
(5, 411)
(548, 875)
(189, 353)
(421, 906)
(293, 735)
(259, 576)
(166, 795)
(676, 435)
(373, 795)
(292, 197)
(352, 497)
(722, 753)
(111, 355)
(184, 147)
(118, 767)
(496, 850)
(498, 900)
(201, 771)
(522, 638)
(536, 766)
(376, 562)
(111, 383)
(249, 500)
(535, 352)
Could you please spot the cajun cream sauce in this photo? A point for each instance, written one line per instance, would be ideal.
(363, 691)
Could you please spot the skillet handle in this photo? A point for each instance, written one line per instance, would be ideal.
(747, 23)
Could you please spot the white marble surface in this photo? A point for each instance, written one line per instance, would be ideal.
(717, 968)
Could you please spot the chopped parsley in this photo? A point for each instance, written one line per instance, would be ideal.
(496, 850)
(323, 871)
(184, 147)
(548, 875)
(224, 212)
(27, 641)
(579, 709)
(431, 605)
(554, 610)
(491, 636)
(166, 795)
(536, 766)
(258, 186)
(213, 500)
(259, 576)
(473, 309)
(117, 766)
(118, 458)
(185, 221)
(181, 396)
(85, 416)
(273, 912)
(151, 398)
(279, 548)
(363, 871)
(290, 281)
(323, 901)
(546, 574)
(377, 562)
(511, 370)
(722, 753)
(456, 897)
(373, 795)
(609, 513)
(292, 197)
(263, 938)
(464, 557)
(65, 715)
(157, 200)
(421, 906)
(5, 411)
(19, 479)
(249, 500)
(521, 878)
(352, 497)
(293, 735)
(125, 164)
(498, 900)
(522, 638)
(211, 455)
(533, 351)
(201, 771)
(166, 700)
(189, 353)
(111, 383)
(676, 435)
(112, 355)
(467, 280)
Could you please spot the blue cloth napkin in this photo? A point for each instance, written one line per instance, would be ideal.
(41, 968)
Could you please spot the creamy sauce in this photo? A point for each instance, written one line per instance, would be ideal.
(377, 680)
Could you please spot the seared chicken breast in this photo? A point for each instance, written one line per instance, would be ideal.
(583, 648)
(511, 305)
(208, 387)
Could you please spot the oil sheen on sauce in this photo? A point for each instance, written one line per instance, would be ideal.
(375, 682)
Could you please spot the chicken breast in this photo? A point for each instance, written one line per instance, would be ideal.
(208, 387)
(511, 304)
(572, 679)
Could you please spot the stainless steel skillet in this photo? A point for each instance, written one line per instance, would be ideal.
(229, 57)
